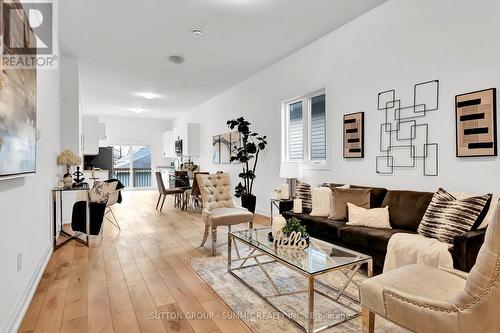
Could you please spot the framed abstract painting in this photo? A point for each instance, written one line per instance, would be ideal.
(225, 148)
(216, 149)
(354, 135)
(476, 123)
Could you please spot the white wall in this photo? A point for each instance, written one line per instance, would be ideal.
(396, 45)
(25, 221)
(122, 130)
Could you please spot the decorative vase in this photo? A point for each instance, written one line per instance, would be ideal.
(68, 181)
(297, 206)
(249, 201)
(278, 224)
(285, 191)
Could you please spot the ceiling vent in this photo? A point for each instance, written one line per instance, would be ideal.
(176, 59)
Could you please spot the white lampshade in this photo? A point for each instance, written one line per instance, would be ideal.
(290, 170)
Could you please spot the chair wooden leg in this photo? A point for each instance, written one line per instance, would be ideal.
(164, 197)
(214, 240)
(184, 201)
(250, 224)
(158, 203)
(368, 320)
(205, 235)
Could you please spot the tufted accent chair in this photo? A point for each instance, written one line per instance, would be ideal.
(219, 208)
(425, 299)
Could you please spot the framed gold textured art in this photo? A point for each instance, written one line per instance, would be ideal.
(354, 135)
(18, 96)
(476, 124)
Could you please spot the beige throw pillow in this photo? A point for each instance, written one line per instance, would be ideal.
(340, 197)
(321, 197)
(374, 218)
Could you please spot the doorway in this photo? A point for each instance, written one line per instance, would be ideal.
(132, 165)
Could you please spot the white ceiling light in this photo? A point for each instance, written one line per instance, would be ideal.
(197, 32)
(148, 95)
(137, 110)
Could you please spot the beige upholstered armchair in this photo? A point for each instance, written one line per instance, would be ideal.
(219, 208)
(425, 299)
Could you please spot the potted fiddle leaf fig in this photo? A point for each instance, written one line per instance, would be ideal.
(248, 155)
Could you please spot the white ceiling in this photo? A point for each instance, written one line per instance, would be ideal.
(123, 46)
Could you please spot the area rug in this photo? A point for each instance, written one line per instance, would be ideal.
(261, 317)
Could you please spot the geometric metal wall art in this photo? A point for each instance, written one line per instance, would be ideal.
(476, 123)
(404, 137)
(354, 137)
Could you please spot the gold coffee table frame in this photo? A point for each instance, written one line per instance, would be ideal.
(261, 248)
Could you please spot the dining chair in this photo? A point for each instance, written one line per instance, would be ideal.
(193, 194)
(113, 199)
(182, 181)
(219, 208)
(164, 191)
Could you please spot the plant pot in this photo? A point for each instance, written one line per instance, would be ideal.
(248, 201)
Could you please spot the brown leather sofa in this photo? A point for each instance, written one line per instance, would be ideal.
(406, 209)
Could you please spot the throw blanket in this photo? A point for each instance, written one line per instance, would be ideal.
(406, 249)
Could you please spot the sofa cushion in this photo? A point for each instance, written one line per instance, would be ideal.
(303, 192)
(318, 227)
(377, 195)
(321, 197)
(406, 208)
(370, 238)
(447, 217)
(341, 197)
(373, 218)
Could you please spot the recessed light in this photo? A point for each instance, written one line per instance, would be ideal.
(197, 32)
(176, 59)
(148, 95)
(137, 110)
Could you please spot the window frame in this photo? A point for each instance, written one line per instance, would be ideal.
(306, 100)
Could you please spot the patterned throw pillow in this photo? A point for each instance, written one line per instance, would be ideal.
(447, 216)
(101, 191)
(303, 192)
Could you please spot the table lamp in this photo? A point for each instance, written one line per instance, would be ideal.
(291, 171)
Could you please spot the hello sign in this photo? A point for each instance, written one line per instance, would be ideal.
(293, 241)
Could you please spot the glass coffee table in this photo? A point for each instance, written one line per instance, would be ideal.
(318, 259)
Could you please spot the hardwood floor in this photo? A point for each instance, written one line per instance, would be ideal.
(124, 282)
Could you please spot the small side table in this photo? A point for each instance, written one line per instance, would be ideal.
(74, 236)
(281, 205)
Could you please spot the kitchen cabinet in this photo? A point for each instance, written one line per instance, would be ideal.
(168, 144)
(90, 135)
(102, 131)
(189, 133)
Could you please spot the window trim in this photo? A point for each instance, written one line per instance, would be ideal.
(306, 99)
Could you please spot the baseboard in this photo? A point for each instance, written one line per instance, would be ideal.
(17, 314)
